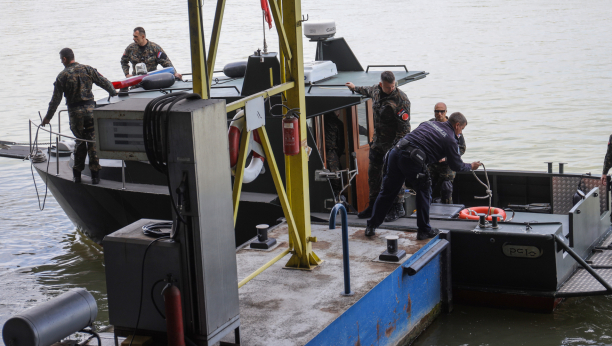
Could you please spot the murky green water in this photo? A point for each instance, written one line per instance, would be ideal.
(534, 79)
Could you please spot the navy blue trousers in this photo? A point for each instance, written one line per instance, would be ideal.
(400, 168)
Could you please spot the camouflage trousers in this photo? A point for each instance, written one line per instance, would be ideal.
(333, 164)
(375, 174)
(442, 182)
(82, 126)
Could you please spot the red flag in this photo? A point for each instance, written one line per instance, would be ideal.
(266, 9)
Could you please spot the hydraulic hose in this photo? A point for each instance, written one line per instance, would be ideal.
(155, 135)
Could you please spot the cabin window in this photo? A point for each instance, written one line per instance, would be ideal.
(362, 123)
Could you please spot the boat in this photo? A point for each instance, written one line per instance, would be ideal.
(532, 260)
(135, 190)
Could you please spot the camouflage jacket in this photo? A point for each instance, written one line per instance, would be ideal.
(391, 116)
(443, 166)
(608, 158)
(151, 54)
(75, 82)
(334, 134)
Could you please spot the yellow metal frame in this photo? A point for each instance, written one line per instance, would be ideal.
(266, 93)
(264, 267)
(197, 49)
(295, 198)
(214, 38)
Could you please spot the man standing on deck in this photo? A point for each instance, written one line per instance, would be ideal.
(391, 122)
(407, 162)
(143, 50)
(74, 82)
(441, 175)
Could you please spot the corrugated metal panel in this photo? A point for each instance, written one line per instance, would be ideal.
(565, 187)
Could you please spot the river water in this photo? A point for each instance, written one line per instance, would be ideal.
(533, 77)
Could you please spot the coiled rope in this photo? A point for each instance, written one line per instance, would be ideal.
(38, 156)
(487, 186)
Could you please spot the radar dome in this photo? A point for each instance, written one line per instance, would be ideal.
(319, 30)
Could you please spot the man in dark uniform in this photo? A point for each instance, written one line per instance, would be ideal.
(143, 50)
(74, 82)
(408, 161)
(441, 175)
(391, 122)
(607, 162)
(334, 145)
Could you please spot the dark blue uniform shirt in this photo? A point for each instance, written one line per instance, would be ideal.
(438, 140)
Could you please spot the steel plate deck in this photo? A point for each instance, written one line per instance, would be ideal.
(602, 258)
(583, 282)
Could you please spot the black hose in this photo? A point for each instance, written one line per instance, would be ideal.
(142, 272)
(93, 335)
(155, 135)
(153, 298)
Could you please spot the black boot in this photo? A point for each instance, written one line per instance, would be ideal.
(370, 231)
(426, 235)
(95, 177)
(400, 209)
(393, 213)
(76, 176)
(366, 213)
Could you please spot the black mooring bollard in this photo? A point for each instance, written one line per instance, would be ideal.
(262, 242)
(481, 221)
(561, 167)
(262, 232)
(495, 218)
(549, 166)
(392, 254)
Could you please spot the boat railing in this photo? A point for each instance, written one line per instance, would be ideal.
(57, 137)
(339, 208)
(368, 68)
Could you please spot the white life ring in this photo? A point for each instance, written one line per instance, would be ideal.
(234, 134)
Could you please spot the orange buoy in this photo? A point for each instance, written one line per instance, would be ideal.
(471, 213)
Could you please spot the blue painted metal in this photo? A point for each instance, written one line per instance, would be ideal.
(391, 310)
(345, 249)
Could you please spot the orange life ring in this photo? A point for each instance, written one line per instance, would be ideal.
(470, 213)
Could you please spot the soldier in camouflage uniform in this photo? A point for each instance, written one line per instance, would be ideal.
(391, 122)
(607, 162)
(74, 82)
(334, 145)
(143, 50)
(441, 175)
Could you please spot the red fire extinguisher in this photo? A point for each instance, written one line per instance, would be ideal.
(174, 315)
(291, 135)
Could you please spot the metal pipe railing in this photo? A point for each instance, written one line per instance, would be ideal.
(57, 155)
(123, 174)
(59, 134)
(59, 120)
(345, 250)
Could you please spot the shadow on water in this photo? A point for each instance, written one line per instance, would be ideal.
(577, 321)
(80, 265)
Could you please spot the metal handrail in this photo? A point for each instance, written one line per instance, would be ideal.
(327, 85)
(345, 251)
(59, 134)
(226, 87)
(404, 66)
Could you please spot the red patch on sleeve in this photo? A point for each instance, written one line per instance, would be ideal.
(403, 114)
